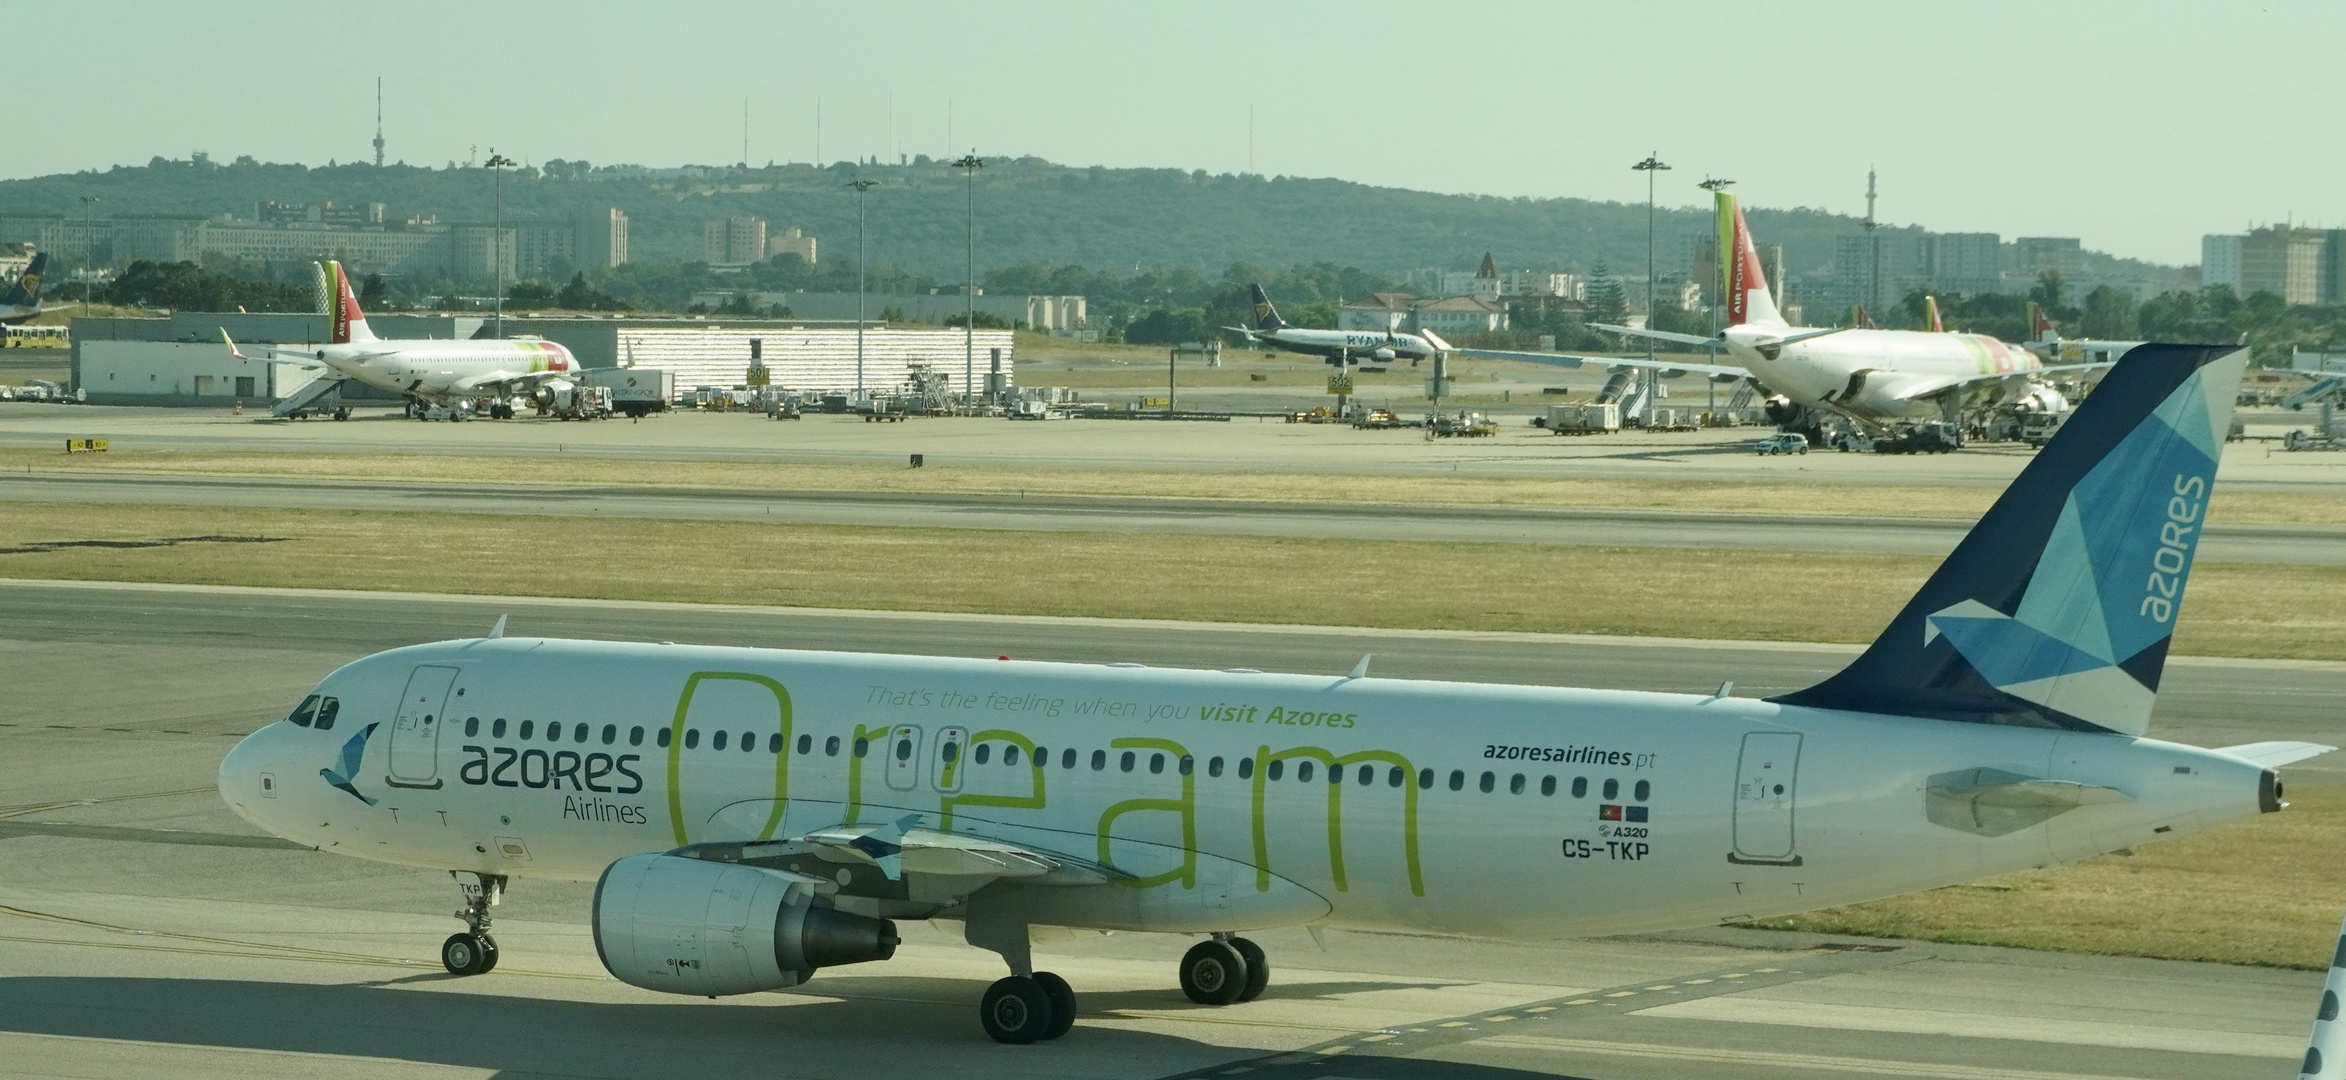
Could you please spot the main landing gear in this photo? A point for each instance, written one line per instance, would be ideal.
(1224, 970)
(473, 952)
(1029, 1006)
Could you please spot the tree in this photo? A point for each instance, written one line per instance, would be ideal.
(2049, 294)
(530, 294)
(580, 296)
(374, 294)
(1606, 303)
(1166, 326)
(2109, 314)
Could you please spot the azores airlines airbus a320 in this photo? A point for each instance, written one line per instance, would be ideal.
(1879, 378)
(448, 373)
(752, 816)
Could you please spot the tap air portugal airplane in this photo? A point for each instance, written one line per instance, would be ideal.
(1271, 330)
(752, 816)
(1878, 378)
(450, 374)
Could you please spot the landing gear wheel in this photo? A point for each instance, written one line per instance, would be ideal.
(488, 954)
(462, 954)
(1258, 968)
(1062, 1004)
(1016, 1010)
(1213, 973)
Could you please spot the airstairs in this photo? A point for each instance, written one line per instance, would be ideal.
(320, 395)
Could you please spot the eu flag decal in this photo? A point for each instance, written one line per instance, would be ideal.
(1636, 813)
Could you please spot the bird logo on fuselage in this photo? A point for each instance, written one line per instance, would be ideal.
(346, 766)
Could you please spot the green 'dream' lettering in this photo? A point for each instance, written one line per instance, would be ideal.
(1034, 801)
(676, 750)
(1186, 806)
(854, 807)
(1262, 842)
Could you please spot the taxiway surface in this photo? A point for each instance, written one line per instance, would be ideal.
(145, 930)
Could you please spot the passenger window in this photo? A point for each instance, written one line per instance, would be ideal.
(749, 742)
(303, 713)
(1515, 784)
(1156, 764)
(692, 738)
(863, 746)
(1303, 771)
(635, 735)
(904, 749)
(1127, 763)
(472, 727)
(1547, 785)
(1580, 787)
(1457, 780)
(1490, 780)
(983, 754)
(528, 728)
(947, 752)
(1394, 778)
(1277, 769)
(1067, 758)
(1188, 765)
(554, 731)
(806, 744)
(1042, 757)
(1612, 789)
(774, 743)
(1010, 754)
(610, 734)
(1214, 767)
(1246, 768)
(1099, 760)
(1425, 779)
(665, 736)
(1644, 788)
(831, 746)
(327, 707)
(716, 739)
(497, 728)
(579, 733)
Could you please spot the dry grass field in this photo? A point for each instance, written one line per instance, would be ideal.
(1814, 497)
(2236, 609)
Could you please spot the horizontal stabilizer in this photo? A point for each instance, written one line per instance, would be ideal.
(2273, 755)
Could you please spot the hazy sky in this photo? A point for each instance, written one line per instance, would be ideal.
(2138, 126)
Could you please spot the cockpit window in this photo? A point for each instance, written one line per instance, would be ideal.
(303, 712)
(327, 707)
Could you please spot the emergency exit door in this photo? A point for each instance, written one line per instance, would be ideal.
(903, 750)
(415, 732)
(1766, 781)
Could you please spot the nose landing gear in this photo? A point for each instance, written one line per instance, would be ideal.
(473, 952)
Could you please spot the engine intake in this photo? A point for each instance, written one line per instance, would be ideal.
(686, 926)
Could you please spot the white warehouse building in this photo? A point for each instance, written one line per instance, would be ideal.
(821, 360)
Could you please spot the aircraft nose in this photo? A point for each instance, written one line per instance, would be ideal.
(246, 778)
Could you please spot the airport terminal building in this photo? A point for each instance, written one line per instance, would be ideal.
(180, 361)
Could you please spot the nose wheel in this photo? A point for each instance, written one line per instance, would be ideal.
(473, 952)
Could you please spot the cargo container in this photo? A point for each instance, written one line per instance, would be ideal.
(635, 391)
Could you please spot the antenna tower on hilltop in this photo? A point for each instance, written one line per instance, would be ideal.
(378, 121)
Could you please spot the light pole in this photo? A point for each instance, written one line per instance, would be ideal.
(89, 237)
(496, 166)
(1651, 165)
(969, 164)
(860, 187)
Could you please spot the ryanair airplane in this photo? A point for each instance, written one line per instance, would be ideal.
(753, 816)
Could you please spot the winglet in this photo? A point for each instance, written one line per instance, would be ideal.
(231, 345)
(498, 630)
(1360, 670)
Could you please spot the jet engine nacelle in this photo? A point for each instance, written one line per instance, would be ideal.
(687, 926)
(2042, 398)
(1382, 354)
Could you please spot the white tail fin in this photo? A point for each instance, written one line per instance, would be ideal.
(349, 323)
(1745, 284)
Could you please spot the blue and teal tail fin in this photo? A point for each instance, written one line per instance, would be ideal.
(2058, 607)
(26, 292)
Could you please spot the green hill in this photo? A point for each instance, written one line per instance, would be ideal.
(1027, 210)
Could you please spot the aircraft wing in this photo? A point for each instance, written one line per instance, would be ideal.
(298, 359)
(2273, 755)
(1934, 387)
(1570, 361)
(507, 378)
(1657, 335)
(898, 848)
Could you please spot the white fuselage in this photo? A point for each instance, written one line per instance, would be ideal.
(1458, 807)
(443, 369)
(1359, 344)
(1878, 374)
